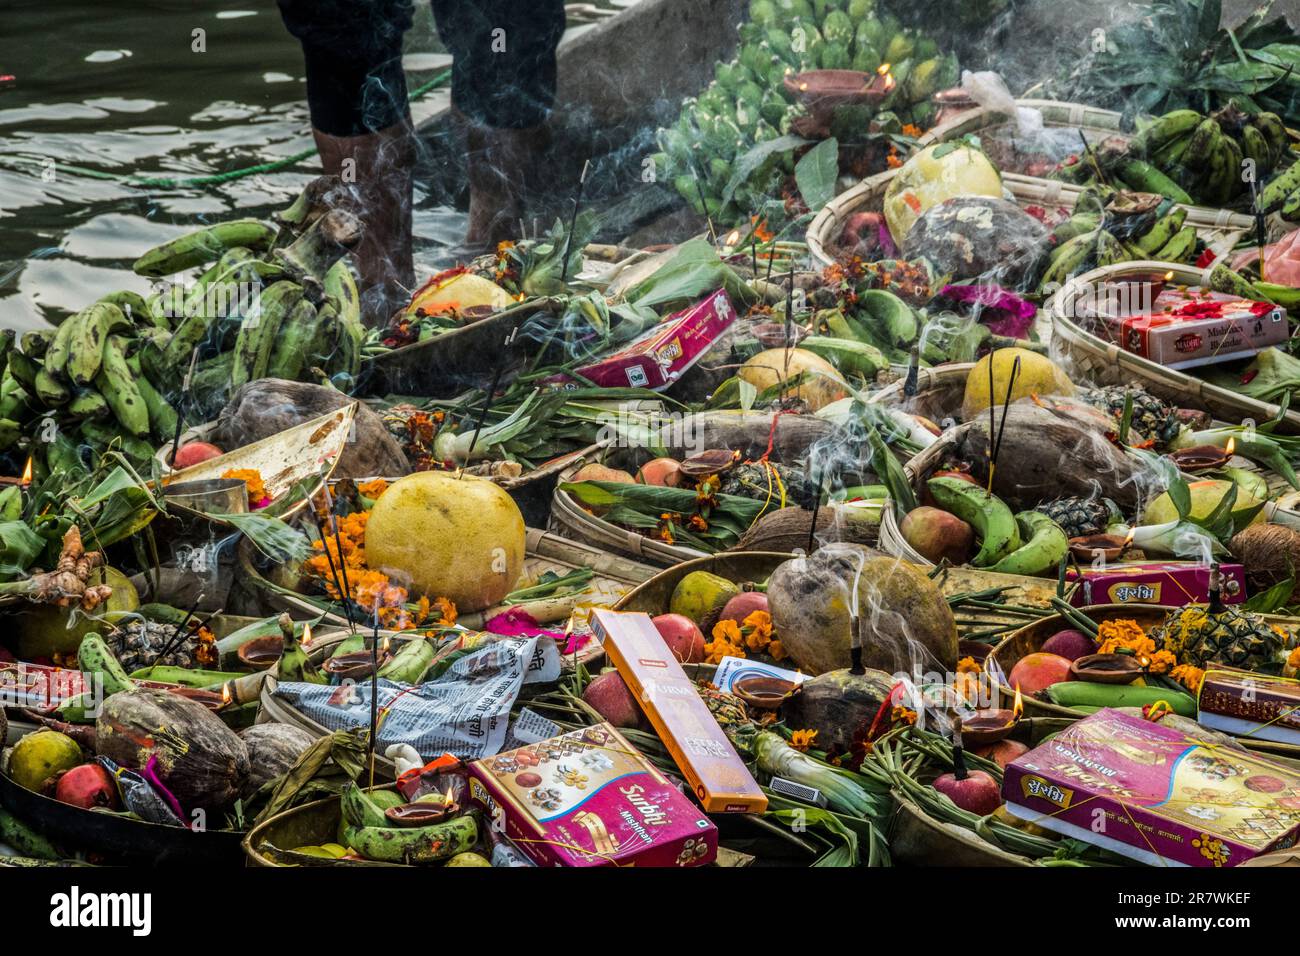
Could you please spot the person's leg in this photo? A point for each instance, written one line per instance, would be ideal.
(503, 89)
(356, 92)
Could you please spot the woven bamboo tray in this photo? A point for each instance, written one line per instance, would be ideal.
(1029, 639)
(570, 520)
(279, 589)
(1096, 124)
(939, 392)
(1092, 359)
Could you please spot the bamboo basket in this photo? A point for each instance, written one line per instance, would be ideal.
(279, 589)
(1095, 360)
(570, 520)
(939, 392)
(918, 469)
(1213, 225)
(1096, 124)
(1029, 639)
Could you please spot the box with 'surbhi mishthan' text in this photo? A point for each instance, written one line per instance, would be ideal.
(589, 798)
(1148, 791)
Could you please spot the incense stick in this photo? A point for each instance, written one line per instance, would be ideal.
(1261, 235)
(334, 573)
(374, 693)
(180, 418)
(817, 504)
(704, 207)
(1087, 149)
(177, 635)
(992, 422)
(338, 543)
(996, 449)
(573, 221)
(491, 394)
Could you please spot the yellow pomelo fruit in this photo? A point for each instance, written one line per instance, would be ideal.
(935, 174)
(41, 755)
(1038, 375)
(1206, 496)
(822, 386)
(46, 630)
(458, 293)
(440, 535)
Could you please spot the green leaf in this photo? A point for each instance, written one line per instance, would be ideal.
(1266, 602)
(753, 160)
(1208, 25)
(816, 173)
(748, 393)
(1219, 521)
(275, 539)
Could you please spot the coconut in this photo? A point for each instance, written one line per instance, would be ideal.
(272, 750)
(1270, 553)
(786, 529)
(972, 237)
(1054, 450)
(820, 386)
(200, 760)
(461, 538)
(838, 705)
(905, 622)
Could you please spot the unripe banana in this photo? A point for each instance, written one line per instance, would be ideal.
(413, 844)
(1045, 544)
(116, 383)
(992, 520)
(205, 245)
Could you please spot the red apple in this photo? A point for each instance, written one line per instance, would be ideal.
(194, 453)
(1070, 644)
(742, 605)
(682, 637)
(1001, 752)
(937, 534)
(610, 696)
(1039, 671)
(977, 792)
(87, 786)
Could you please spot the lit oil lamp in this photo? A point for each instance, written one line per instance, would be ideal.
(424, 810)
(821, 92)
(25, 481)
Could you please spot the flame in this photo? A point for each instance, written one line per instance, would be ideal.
(384, 646)
(1228, 448)
(306, 635)
(1128, 539)
(1169, 276)
(226, 695)
(1145, 662)
(803, 87)
(446, 797)
(1017, 708)
(733, 237)
(27, 472)
(883, 69)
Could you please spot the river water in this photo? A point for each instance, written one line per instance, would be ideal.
(120, 90)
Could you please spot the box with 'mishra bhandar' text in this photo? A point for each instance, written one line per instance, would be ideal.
(589, 798)
(1152, 792)
(700, 748)
(661, 355)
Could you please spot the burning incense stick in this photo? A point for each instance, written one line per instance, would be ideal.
(996, 449)
(374, 694)
(334, 572)
(178, 634)
(573, 221)
(180, 419)
(497, 372)
(817, 504)
(1261, 234)
(338, 543)
(704, 207)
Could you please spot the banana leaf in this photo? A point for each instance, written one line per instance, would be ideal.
(816, 173)
(693, 272)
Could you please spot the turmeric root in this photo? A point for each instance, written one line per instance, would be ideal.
(66, 584)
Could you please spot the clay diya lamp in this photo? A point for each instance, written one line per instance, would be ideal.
(353, 666)
(763, 692)
(951, 103)
(987, 726)
(1200, 458)
(821, 92)
(210, 699)
(1108, 546)
(1106, 668)
(420, 814)
(261, 653)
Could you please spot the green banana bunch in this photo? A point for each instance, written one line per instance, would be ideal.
(413, 844)
(119, 388)
(994, 524)
(1045, 544)
(205, 245)
(257, 332)
(1087, 240)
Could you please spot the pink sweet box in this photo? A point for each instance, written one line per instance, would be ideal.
(1147, 791)
(663, 354)
(589, 798)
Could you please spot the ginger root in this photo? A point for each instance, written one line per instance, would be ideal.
(66, 584)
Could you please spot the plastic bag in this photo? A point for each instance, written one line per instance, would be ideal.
(1032, 136)
(1281, 260)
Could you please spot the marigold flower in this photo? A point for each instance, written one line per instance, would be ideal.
(801, 740)
(968, 665)
(1293, 659)
(252, 479)
(903, 715)
(727, 631)
(1161, 662)
(374, 488)
(1189, 676)
(912, 130)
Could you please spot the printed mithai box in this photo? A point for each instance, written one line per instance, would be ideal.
(589, 798)
(1249, 704)
(1146, 790)
(1170, 584)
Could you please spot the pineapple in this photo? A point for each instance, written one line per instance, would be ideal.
(1078, 516)
(1229, 636)
(1151, 418)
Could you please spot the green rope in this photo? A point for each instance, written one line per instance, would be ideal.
(164, 182)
